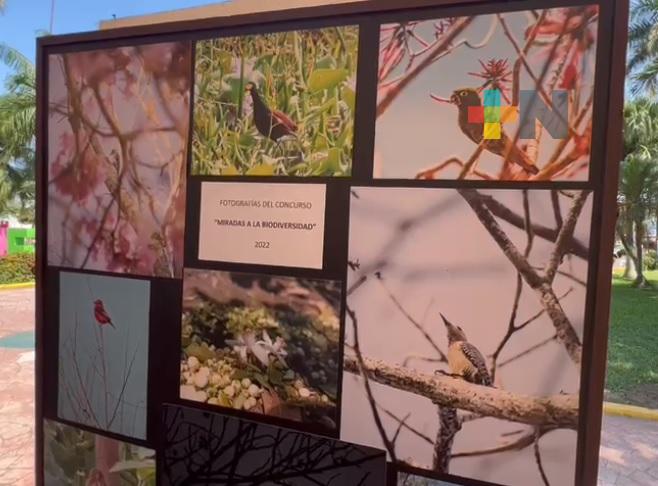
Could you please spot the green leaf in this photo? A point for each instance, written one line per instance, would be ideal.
(132, 465)
(230, 170)
(326, 62)
(349, 97)
(330, 165)
(261, 170)
(322, 79)
(200, 351)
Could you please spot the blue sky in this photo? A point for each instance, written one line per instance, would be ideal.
(23, 19)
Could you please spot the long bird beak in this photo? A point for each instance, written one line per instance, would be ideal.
(441, 99)
(446, 322)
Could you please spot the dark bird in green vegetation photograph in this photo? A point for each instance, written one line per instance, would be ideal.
(273, 124)
(277, 104)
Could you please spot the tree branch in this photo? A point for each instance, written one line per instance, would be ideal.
(565, 235)
(565, 332)
(501, 211)
(556, 411)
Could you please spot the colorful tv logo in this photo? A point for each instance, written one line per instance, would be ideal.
(492, 114)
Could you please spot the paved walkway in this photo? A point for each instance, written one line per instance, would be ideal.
(16, 391)
(629, 450)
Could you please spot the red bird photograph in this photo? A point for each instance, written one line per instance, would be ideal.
(101, 315)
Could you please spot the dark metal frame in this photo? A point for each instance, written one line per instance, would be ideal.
(605, 157)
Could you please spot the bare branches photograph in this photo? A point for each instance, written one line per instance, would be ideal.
(464, 327)
(240, 452)
(276, 104)
(409, 479)
(117, 140)
(263, 344)
(103, 352)
(75, 457)
(504, 96)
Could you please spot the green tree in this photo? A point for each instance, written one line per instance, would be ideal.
(17, 130)
(638, 186)
(643, 44)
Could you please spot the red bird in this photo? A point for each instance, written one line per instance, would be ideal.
(101, 315)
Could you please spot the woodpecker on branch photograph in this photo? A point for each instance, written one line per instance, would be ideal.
(278, 104)
(504, 96)
(465, 316)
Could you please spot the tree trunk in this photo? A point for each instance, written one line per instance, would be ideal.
(629, 267)
(640, 280)
(625, 234)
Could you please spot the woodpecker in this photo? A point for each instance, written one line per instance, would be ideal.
(464, 359)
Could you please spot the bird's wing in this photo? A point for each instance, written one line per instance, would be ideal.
(282, 119)
(516, 155)
(478, 361)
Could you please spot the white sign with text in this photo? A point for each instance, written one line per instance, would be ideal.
(261, 223)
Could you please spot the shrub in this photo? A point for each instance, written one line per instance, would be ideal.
(17, 268)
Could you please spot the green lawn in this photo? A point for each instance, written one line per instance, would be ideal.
(633, 344)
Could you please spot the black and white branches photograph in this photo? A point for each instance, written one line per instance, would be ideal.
(206, 448)
(464, 327)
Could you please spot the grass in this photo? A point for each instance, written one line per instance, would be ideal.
(633, 343)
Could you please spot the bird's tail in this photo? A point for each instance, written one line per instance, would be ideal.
(518, 156)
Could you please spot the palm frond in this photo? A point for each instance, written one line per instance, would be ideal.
(13, 59)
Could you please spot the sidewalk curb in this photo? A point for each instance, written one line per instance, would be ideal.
(16, 286)
(631, 411)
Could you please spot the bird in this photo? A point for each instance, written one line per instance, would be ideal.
(464, 359)
(463, 99)
(273, 124)
(101, 315)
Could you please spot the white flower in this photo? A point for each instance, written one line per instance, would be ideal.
(188, 392)
(275, 348)
(304, 392)
(246, 383)
(250, 403)
(193, 363)
(246, 343)
(229, 391)
(201, 380)
(253, 390)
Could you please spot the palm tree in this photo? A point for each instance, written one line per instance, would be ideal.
(643, 43)
(17, 129)
(638, 187)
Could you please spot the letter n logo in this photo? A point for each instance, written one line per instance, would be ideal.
(554, 119)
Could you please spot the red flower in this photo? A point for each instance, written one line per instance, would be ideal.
(573, 29)
(496, 73)
(76, 176)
